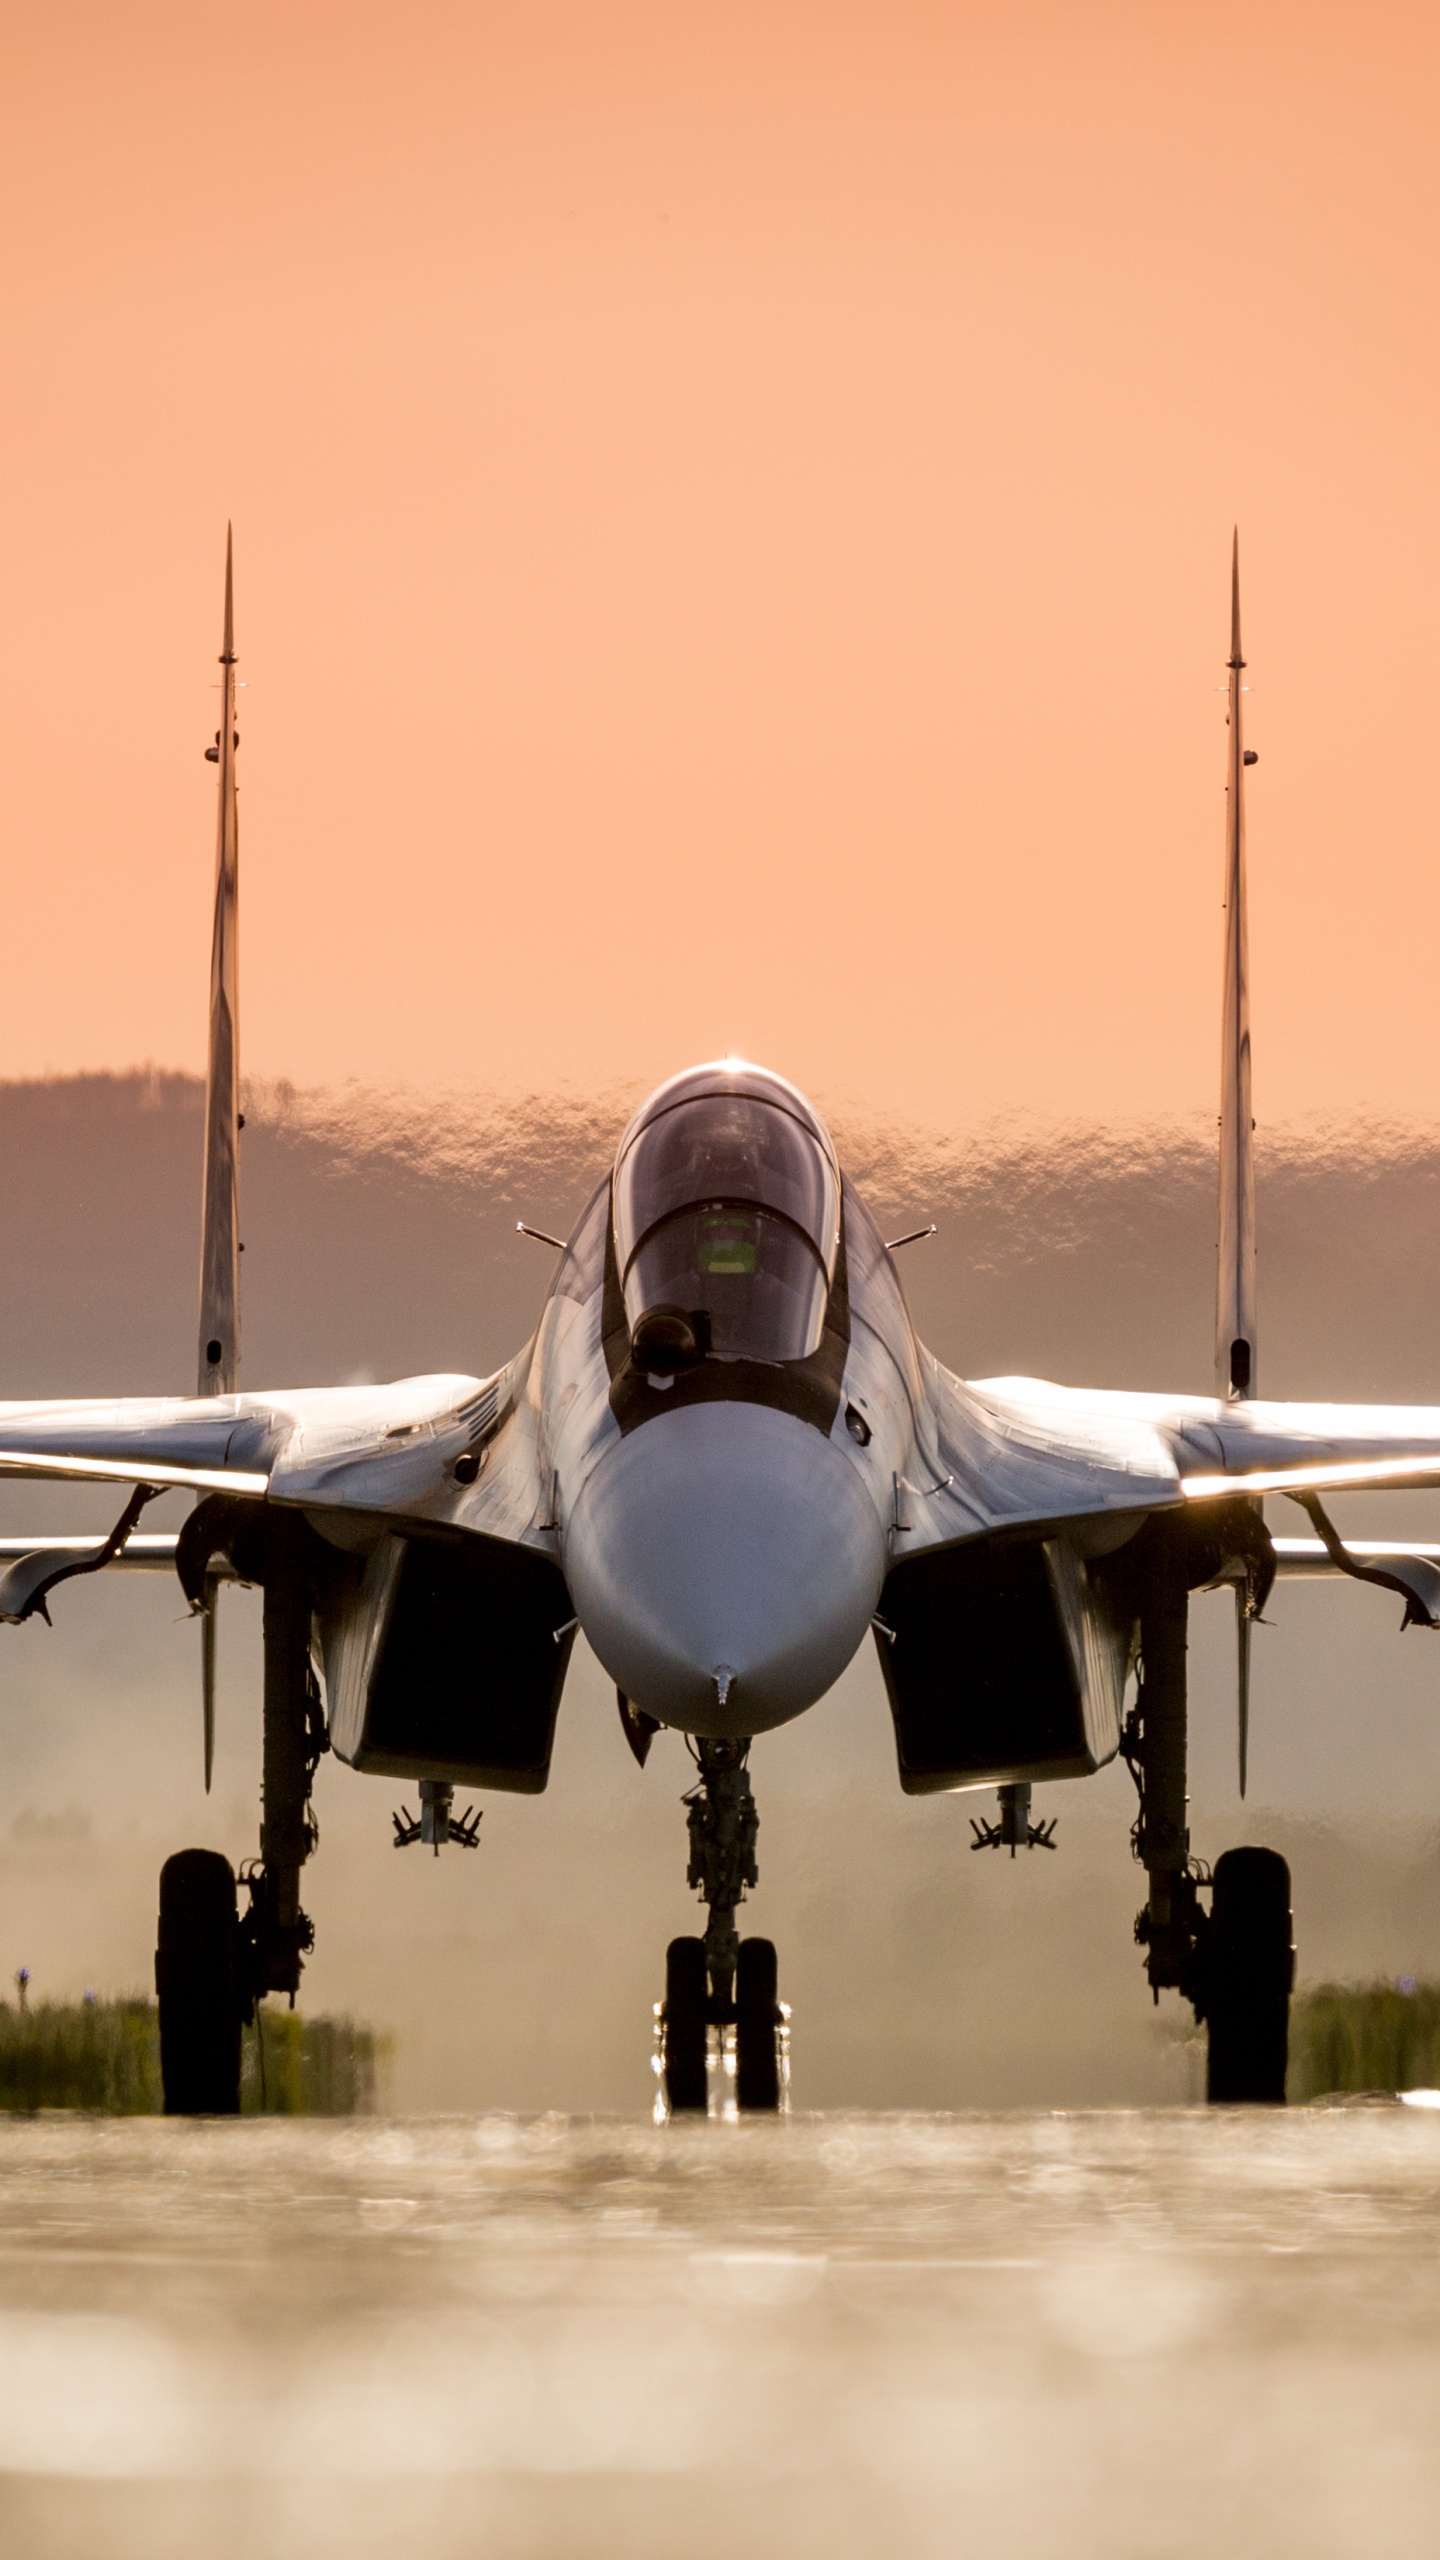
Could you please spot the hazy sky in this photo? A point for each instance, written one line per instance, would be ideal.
(732, 509)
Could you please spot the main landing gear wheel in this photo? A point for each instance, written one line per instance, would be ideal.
(757, 2028)
(197, 1981)
(684, 2024)
(1248, 1971)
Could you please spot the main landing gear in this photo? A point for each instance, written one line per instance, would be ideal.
(212, 1966)
(1247, 1972)
(1234, 1963)
(722, 1980)
(197, 1977)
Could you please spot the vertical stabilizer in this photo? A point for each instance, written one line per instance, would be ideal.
(1235, 1343)
(1235, 1363)
(220, 1192)
(220, 1209)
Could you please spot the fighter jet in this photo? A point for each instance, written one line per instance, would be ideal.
(725, 1457)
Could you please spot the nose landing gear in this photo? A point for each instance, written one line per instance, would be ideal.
(722, 1980)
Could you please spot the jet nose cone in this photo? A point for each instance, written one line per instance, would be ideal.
(725, 1561)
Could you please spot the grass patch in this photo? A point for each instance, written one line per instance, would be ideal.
(103, 2057)
(307, 2066)
(1347, 2036)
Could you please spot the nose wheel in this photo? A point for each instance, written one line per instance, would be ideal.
(757, 2028)
(685, 2028)
(722, 1980)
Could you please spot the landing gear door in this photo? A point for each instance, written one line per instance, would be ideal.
(352, 1628)
(1098, 1644)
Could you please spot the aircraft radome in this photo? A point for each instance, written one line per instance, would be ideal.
(725, 1456)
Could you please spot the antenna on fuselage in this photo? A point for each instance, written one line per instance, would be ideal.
(220, 1189)
(1235, 1330)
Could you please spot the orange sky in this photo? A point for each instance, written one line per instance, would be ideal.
(732, 512)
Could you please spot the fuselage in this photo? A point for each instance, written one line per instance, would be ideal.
(727, 1399)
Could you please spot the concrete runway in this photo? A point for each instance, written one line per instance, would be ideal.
(1116, 2334)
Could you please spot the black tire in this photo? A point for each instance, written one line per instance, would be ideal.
(757, 2028)
(1249, 1972)
(197, 1982)
(685, 2024)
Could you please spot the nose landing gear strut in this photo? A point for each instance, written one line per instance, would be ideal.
(721, 1980)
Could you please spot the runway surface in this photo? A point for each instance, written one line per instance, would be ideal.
(1119, 2334)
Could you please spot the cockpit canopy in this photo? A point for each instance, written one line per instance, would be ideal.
(727, 1220)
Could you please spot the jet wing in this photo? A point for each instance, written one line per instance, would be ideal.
(419, 1449)
(1008, 1453)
